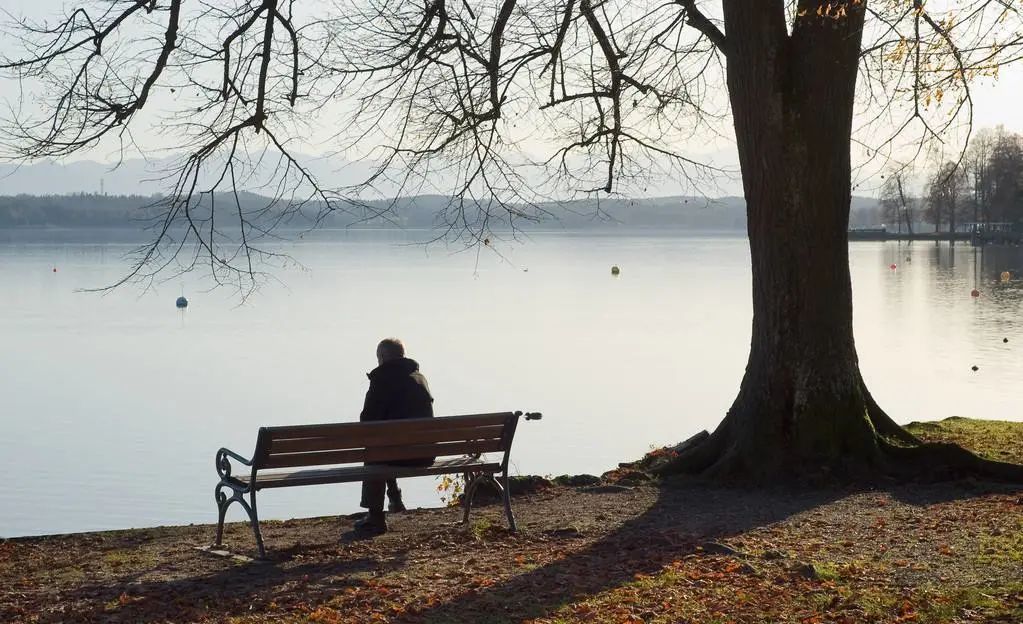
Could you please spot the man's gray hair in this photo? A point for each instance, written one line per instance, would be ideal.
(391, 348)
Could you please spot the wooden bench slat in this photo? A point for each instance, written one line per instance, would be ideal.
(381, 454)
(381, 437)
(352, 474)
(362, 428)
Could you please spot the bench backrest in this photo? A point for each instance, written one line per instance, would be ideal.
(384, 441)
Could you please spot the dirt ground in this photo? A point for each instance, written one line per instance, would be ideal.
(674, 551)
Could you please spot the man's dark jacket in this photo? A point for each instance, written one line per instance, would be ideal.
(397, 390)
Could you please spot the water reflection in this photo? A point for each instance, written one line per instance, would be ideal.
(920, 332)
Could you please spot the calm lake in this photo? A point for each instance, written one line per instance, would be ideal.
(114, 405)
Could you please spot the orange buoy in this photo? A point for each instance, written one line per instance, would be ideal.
(1006, 276)
(974, 293)
(892, 266)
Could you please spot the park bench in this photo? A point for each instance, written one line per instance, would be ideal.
(297, 455)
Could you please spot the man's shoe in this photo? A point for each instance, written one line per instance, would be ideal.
(372, 524)
(396, 506)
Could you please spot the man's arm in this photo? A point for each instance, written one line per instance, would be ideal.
(375, 407)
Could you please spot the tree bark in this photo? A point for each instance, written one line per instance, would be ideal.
(952, 215)
(905, 205)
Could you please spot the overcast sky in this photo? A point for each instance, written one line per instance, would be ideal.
(996, 103)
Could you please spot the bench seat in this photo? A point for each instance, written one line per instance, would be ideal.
(349, 474)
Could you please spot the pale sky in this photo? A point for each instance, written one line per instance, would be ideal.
(996, 103)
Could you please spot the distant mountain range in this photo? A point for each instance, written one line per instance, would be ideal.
(139, 176)
(426, 211)
(134, 177)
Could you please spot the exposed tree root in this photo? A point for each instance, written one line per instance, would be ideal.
(883, 423)
(932, 460)
(696, 458)
(942, 461)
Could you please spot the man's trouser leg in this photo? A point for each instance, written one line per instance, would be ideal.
(373, 495)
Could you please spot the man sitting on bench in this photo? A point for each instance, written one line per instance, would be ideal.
(397, 390)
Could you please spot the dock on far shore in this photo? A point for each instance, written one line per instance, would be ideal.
(994, 237)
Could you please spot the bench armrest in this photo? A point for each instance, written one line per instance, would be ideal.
(223, 462)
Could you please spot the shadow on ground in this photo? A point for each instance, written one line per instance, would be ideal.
(684, 519)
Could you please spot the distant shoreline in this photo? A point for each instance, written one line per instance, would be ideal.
(294, 234)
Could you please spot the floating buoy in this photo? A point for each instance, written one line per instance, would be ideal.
(974, 293)
(1006, 276)
(181, 303)
(615, 270)
(975, 368)
(54, 269)
(892, 266)
(1005, 340)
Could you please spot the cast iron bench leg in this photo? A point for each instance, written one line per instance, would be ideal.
(223, 502)
(506, 492)
(502, 485)
(254, 520)
(471, 482)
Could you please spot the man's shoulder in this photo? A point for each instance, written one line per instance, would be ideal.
(399, 368)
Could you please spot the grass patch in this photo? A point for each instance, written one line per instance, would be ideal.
(945, 604)
(65, 574)
(1006, 548)
(876, 602)
(992, 439)
(925, 605)
(481, 528)
(129, 557)
(827, 571)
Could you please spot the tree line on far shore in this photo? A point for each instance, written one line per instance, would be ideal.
(75, 210)
(983, 188)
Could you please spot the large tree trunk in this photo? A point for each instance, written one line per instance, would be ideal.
(802, 407)
(801, 404)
